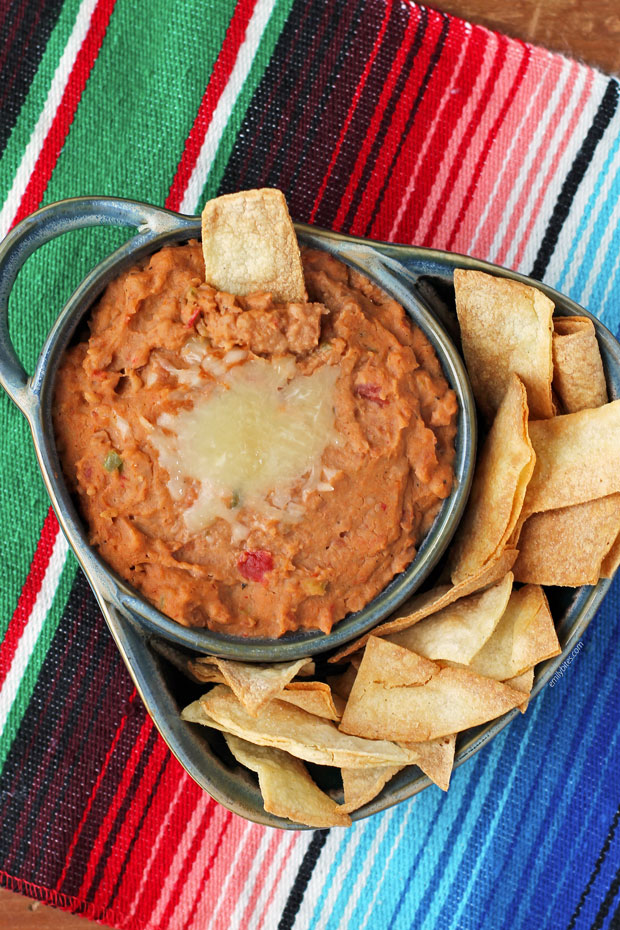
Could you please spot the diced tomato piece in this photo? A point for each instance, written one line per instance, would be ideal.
(253, 564)
(193, 318)
(371, 392)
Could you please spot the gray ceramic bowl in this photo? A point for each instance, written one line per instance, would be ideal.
(421, 279)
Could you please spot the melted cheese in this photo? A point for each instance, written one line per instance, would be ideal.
(258, 433)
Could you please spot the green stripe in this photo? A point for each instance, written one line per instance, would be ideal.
(36, 97)
(126, 139)
(33, 669)
(265, 50)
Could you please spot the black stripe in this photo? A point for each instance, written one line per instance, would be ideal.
(24, 34)
(595, 870)
(604, 115)
(386, 119)
(304, 875)
(445, 28)
(603, 910)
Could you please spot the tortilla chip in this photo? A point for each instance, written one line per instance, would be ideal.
(315, 697)
(305, 736)
(254, 685)
(362, 785)
(503, 471)
(611, 560)
(524, 636)
(287, 788)
(506, 328)
(460, 630)
(400, 696)
(436, 758)
(423, 605)
(342, 684)
(578, 376)
(576, 458)
(523, 682)
(249, 245)
(569, 545)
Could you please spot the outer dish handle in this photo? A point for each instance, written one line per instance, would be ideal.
(46, 224)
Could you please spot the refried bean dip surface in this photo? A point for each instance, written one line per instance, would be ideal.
(250, 466)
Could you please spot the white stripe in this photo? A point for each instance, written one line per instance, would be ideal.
(386, 870)
(335, 839)
(542, 124)
(205, 911)
(282, 852)
(32, 630)
(535, 157)
(340, 879)
(248, 887)
(287, 880)
(181, 787)
(44, 123)
(177, 864)
(221, 114)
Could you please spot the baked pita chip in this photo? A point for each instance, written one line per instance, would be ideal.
(360, 786)
(568, 546)
(400, 696)
(305, 736)
(523, 682)
(315, 697)
(458, 631)
(578, 375)
(254, 685)
(576, 458)
(502, 474)
(524, 636)
(249, 245)
(287, 788)
(424, 605)
(506, 328)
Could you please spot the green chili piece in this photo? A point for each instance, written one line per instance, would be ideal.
(234, 500)
(112, 461)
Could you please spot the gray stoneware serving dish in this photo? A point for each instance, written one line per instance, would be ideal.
(421, 280)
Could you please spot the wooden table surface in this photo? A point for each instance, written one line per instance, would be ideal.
(587, 31)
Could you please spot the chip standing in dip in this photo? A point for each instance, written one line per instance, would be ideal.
(250, 463)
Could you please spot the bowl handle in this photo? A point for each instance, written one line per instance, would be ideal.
(46, 224)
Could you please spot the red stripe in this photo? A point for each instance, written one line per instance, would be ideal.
(29, 593)
(48, 156)
(464, 85)
(352, 108)
(388, 89)
(489, 142)
(114, 805)
(224, 64)
(93, 794)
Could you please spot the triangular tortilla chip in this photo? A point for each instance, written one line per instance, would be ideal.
(503, 471)
(436, 758)
(569, 545)
(578, 375)
(434, 702)
(362, 785)
(506, 328)
(253, 684)
(423, 605)
(524, 636)
(315, 697)
(305, 736)
(576, 458)
(523, 682)
(249, 245)
(287, 788)
(459, 631)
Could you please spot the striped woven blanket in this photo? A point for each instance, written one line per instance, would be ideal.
(376, 117)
